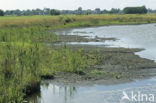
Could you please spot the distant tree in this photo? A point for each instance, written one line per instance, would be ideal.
(46, 11)
(17, 12)
(104, 11)
(39, 11)
(114, 11)
(1, 13)
(97, 11)
(151, 11)
(80, 10)
(54, 12)
(7, 12)
(135, 10)
(88, 12)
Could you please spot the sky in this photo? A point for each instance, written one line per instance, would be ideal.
(73, 4)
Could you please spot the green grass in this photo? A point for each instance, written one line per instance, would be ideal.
(25, 56)
(95, 72)
(65, 21)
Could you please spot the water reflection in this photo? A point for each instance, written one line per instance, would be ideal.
(53, 92)
(35, 98)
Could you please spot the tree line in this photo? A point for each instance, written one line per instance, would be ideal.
(79, 11)
(135, 10)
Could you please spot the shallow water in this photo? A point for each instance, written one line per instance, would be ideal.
(53, 92)
(130, 36)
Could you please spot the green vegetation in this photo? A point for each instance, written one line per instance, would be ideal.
(1, 13)
(25, 58)
(54, 12)
(135, 10)
(95, 72)
(56, 22)
(99, 73)
(25, 54)
(20, 62)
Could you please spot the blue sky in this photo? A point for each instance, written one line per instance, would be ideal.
(74, 4)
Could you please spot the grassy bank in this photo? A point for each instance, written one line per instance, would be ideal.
(25, 56)
(75, 20)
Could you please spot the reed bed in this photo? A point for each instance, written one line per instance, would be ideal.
(25, 58)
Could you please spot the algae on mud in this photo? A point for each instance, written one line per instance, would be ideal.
(25, 56)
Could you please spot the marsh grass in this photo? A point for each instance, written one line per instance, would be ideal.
(19, 68)
(25, 56)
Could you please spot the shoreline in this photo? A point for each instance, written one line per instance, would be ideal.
(104, 25)
(87, 63)
(99, 75)
(117, 52)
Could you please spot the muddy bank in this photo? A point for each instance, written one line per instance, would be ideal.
(116, 68)
(106, 79)
(116, 63)
(113, 63)
(76, 38)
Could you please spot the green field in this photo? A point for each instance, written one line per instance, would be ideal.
(76, 20)
(25, 56)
